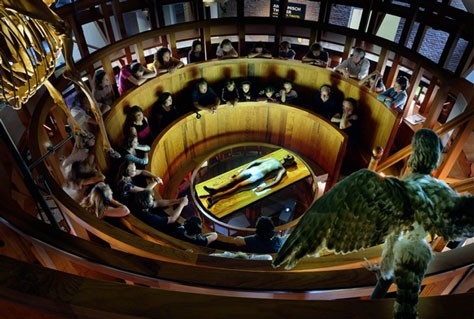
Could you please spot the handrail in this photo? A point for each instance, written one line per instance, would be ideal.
(441, 130)
(222, 273)
(324, 24)
(466, 185)
(65, 296)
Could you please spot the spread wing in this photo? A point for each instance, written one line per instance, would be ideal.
(358, 212)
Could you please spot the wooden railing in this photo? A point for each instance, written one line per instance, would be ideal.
(184, 145)
(440, 130)
(59, 295)
(450, 272)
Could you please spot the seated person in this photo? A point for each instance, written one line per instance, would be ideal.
(163, 113)
(246, 93)
(136, 123)
(324, 103)
(287, 94)
(153, 213)
(259, 51)
(103, 91)
(164, 62)
(374, 82)
(316, 55)
(264, 241)
(230, 94)
(135, 152)
(204, 97)
(126, 187)
(101, 204)
(225, 50)
(285, 51)
(196, 54)
(268, 94)
(396, 97)
(133, 75)
(356, 66)
(348, 120)
(191, 232)
(256, 171)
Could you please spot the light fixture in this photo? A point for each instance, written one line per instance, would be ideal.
(207, 3)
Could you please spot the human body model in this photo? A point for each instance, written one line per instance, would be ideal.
(255, 171)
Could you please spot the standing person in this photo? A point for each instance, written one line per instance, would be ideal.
(316, 55)
(81, 177)
(164, 62)
(204, 97)
(136, 123)
(191, 232)
(225, 50)
(396, 97)
(153, 213)
(324, 102)
(101, 204)
(348, 120)
(163, 113)
(268, 95)
(259, 51)
(287, 94)
(230, 94)
(84, 142)
(103, 91)
(264, 241)
(285, 51)
(356, 66)
(133, 75)
(246, 92)
(196, 54)
(81, 110)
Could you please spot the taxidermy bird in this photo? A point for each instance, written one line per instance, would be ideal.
(366, 209)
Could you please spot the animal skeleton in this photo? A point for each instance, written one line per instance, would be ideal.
(33, 37)
(364, 209)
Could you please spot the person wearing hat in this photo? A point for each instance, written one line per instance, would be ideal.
(264, 241)
(191, 232)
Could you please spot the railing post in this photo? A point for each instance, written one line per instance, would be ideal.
(377, 154)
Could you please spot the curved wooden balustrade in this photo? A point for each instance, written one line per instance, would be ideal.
(378, 123)
(67, 296)
(450, 272)
(183, 145)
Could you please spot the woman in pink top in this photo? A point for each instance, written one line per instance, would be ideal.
(133, 75)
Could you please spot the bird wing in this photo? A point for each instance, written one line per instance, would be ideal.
(357, 212)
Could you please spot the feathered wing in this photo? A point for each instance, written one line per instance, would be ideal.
(358, 212)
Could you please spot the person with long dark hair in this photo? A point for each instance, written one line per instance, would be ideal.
(165, 63)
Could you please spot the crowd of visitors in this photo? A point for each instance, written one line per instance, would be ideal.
(135, 188)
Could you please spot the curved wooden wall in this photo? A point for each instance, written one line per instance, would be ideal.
(283, 125)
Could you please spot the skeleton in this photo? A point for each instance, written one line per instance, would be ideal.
(364, 209)
(32, 38)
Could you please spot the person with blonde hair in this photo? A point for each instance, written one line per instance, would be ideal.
(101, 204)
